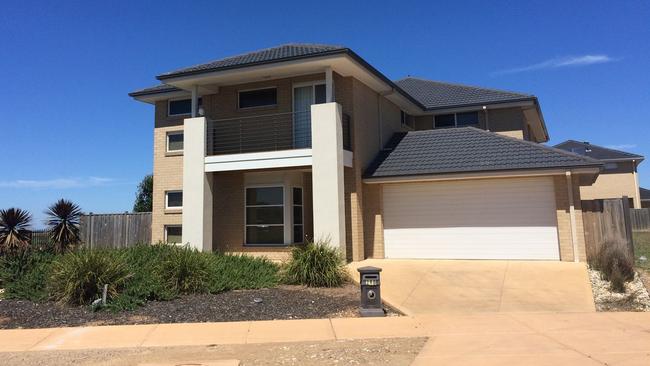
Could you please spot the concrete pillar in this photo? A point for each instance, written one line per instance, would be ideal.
(572, 214)
(327, 174)
(195, 101)
(197, 187)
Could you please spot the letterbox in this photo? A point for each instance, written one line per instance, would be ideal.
(370, 292)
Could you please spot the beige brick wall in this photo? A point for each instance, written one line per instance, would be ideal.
(373, 221)
(167, 172)
(564, 219)
(612, 184)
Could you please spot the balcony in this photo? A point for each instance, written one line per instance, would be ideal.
(264, 133)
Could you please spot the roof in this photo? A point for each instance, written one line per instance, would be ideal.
(645, 193)
(267, 55)
(466, 149)
(436, 95)
(161, 88)
(597, 152)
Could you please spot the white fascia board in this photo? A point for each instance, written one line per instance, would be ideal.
(259, 160)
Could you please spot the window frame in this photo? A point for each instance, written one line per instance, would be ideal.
(166, 227)
(169, 133)
(455, 114)
(169, 114)
(239, 107)
(246, 225)
(302, 219)
(173, 208)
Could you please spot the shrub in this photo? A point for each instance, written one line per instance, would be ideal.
(79, 277)
(24, 275)
(316, 265)
(186, 270)
(616, 266)
(235, 272)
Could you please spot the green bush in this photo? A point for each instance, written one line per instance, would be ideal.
(24, 275)
(316, 265)
(79, 277)
(616, 266)
(186, 270)
(236, 272)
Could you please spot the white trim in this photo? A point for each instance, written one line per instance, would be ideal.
(258, 106)
(259, 160)
(477, 175)
(284, 214)
(165, 232)
(176, 132)
(472, 108)
(175, 208)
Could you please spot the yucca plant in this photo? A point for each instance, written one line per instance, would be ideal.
(14, 230)
(63, 223)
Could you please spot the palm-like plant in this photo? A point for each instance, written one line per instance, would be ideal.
(63, 222)
(14, 229)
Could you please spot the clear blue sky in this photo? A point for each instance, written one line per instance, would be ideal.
(70, 130)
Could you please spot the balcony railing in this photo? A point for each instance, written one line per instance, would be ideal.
(271, 132)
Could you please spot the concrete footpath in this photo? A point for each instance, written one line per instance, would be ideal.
(477, 339)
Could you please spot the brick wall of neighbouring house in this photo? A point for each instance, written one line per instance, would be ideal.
(167, 171)
(564, 219)
(614, 183)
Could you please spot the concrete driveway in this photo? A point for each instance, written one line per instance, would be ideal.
(458, 286)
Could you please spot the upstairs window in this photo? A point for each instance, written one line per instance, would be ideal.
(258, 98)
(456, 120)
(610, 166)
(174, 200)
(180, 107)
(407, 120)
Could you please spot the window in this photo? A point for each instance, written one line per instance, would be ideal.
(610, 166)
(181, 106)
(258, 98)
(298, 232)
(175, 141)
(407, 120)
(174, 199)
(456, 120)
(265, 216)
(174, 234)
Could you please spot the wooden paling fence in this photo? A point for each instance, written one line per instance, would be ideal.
(607, 222)
(115, 230)
(640, 219)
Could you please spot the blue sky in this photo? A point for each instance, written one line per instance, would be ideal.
(70, 130)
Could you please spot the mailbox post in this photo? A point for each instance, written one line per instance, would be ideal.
(370, 292)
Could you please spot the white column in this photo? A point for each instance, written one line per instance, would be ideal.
(329, 85)
(327, 174)
(197, 187)
(195, 100)
(637, 193)
(572, 215)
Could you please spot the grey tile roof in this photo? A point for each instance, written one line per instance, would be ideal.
(268, 55)
(161, 88)
(645, 193)
(467, 149)
(438, 95)
(596, 152)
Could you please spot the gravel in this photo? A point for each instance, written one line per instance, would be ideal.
(635, 297)
(284, 302)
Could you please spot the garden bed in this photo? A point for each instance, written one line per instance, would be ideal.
(635, 298)
(283, 302)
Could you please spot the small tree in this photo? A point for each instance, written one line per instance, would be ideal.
(63, 222)
(144, 196)
(14, 229)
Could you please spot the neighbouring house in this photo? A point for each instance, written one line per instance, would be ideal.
(645, 197)
(618, 176)
(256, 152)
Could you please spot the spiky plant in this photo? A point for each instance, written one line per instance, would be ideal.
(14, 229)
(63, 222)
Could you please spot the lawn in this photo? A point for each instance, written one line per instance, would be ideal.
(642, 248)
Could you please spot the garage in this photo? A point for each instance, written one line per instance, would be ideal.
(504, 218)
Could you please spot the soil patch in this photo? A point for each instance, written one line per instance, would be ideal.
(284, 302)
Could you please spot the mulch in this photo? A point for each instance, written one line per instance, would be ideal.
(284, 302)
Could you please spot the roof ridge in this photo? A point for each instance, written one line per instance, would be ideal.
(536, 145)
(601, 147)
(465, 85)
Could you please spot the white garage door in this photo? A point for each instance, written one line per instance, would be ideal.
(474, 219)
